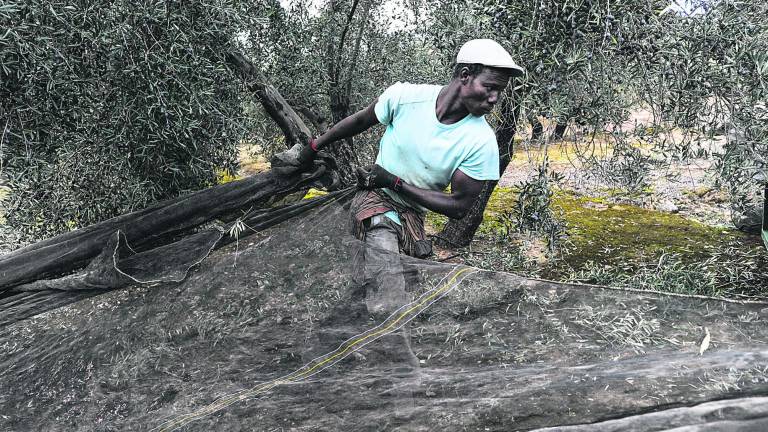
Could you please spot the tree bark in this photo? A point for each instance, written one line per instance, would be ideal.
(559, 130)
(292, 125)
(342, 151)
(537, 129)
(459, 232)
(70, 251)
(319, 122)
(340, 85)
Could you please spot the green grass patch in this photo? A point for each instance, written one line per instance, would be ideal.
(622, 245)
(600, 231)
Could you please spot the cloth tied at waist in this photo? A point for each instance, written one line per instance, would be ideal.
(411, 235)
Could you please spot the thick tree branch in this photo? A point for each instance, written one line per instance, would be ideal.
(319, 122)
(342, 39)
(72, 250)
(356, 50)
(292, 125)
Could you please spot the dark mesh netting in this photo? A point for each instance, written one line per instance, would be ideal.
(297, 327)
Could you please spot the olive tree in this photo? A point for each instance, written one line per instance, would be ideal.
(334, 58)
(709, 76)
(109, 105)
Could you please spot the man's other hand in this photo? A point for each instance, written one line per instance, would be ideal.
(374, 177)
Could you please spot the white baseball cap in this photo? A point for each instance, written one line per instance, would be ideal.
(488, 53)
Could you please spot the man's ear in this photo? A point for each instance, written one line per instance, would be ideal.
(464, 75)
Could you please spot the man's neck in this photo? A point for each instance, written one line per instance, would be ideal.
(449, 108)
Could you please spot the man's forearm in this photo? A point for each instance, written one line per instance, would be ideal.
(349, 126)
(464, 190)
(450, 204)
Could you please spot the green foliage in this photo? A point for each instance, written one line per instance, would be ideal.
(533, 210)
(324, 76)
(574, 53)
(579, 57)
(710, 75)
(502, 255)
(669, 274)
(109, 105)
(626, 167)
(703, 73)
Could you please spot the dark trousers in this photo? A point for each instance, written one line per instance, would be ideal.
(382, 271)
(384, 284)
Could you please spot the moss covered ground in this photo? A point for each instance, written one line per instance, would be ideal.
(612, 233)
(611, 243)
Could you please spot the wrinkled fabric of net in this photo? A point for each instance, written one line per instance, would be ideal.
(277, 331)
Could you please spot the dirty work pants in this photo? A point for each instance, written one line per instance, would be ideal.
(384, 284)
(382, 271)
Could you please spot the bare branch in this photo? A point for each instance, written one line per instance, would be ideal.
(294, 128)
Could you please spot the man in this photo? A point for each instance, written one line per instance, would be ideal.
(435, 136)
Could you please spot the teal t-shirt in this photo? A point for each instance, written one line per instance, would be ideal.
(424, 152)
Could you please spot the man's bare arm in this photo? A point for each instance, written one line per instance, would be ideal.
(464, 192)
(349, 126)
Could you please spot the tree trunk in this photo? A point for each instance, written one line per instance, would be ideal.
(294, 128)
(340, 85)
(459, 232)
(342, 151)
(319, 122)
(143, 228)
(537, 129)
(559, 130)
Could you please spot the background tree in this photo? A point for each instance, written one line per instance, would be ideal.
(709, 76)
(107, 106)
(333, 61)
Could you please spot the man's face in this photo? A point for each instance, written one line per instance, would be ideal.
(479, 93)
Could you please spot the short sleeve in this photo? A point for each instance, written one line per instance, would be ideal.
(386, 106)
(483, 162)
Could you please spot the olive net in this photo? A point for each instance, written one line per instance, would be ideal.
(276, 331)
